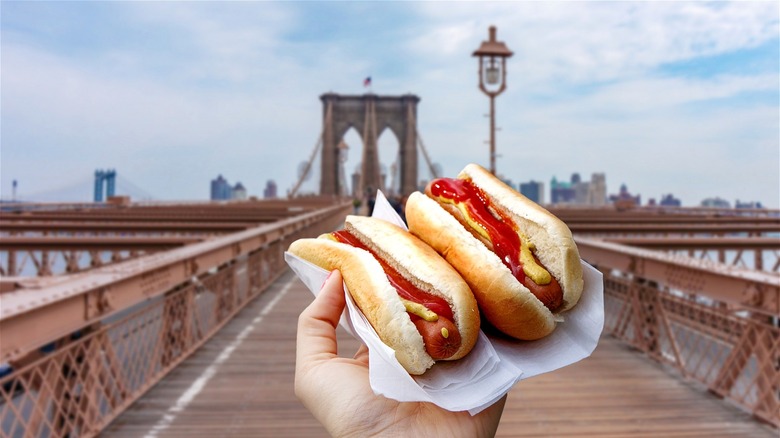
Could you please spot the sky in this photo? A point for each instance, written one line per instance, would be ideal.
(677, 98)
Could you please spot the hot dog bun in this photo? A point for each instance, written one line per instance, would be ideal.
(378, 299)
(508, 304)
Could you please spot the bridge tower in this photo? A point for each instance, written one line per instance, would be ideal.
(105, 178)
(369, 114)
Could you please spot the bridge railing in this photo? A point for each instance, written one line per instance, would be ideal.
(130, 325)
(713, 323)
(132, 322)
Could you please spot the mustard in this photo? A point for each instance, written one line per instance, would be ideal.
(465, 212)
(420, 310)
(533, 270)
(445, 333)
(328, 236)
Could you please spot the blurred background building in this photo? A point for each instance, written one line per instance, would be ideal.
(270, 191)
(579, 192)
(533, 190)
(222, 190)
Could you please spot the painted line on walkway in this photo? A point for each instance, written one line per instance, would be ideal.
(200, 383)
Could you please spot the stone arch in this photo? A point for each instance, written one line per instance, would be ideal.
(369, 114)
(389, 150)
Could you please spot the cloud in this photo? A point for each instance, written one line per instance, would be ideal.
(216, 112)
(171, 94)
(585, 41)
(588, 93)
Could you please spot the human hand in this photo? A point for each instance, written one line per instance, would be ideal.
(337, 390)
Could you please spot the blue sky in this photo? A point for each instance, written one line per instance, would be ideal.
(666, 97)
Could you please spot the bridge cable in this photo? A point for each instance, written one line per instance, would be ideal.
(313, 155)
(425, 154)
(132, 189)
(395, 169)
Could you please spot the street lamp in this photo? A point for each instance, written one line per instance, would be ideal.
(492, 71)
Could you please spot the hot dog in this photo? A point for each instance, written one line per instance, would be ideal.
(520, 261)
(417, 303)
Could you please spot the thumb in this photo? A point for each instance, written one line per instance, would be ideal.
(317, 323)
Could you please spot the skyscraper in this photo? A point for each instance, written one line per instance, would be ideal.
(270, 189)
(561, 192)
(533, 190)
(597, 190)
(577, 191)
(220, 189)
(670, 201)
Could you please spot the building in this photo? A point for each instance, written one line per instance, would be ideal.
(221, 190)
(597, 189)
(270, 191)
(577, 191)
(749, 205)
(625, 199)
(670, 201)
(580, 189)
(239, 192)
(533, 190)
(561, 192)
(716, 202)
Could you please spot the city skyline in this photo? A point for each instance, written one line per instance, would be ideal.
(677, 98)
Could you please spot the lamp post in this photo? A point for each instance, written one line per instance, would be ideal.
(492, 56)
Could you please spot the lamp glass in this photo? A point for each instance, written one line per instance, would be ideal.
(491, 75)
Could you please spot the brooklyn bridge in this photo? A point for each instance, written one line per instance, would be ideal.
(127, 318)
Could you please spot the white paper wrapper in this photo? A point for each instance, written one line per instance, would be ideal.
(493, 366)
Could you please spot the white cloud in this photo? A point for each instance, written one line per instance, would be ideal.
(579, 41)
(658, 134)
(167, 133)
(225, 90)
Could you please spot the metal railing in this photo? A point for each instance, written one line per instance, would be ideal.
(713, 323)
(78, 384)
(134, 321)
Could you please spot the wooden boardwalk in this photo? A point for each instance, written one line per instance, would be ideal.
(241, 384)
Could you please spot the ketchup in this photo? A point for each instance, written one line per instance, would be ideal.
(406, 289)
(503, 234)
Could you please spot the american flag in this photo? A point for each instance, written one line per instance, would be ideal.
(367, 81)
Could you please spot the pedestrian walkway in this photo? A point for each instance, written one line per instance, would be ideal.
(241, 384)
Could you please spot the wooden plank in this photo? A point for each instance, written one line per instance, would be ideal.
(616, 392)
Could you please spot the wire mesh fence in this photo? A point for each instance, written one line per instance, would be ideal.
(78, 384)
(734, 353)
